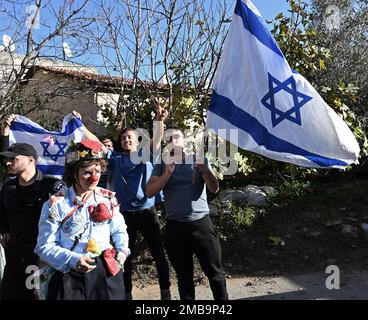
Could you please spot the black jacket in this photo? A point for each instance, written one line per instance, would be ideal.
(4, 143)
(20, 209)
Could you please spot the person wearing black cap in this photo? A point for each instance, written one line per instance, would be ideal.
(21, 200)
(82, 233)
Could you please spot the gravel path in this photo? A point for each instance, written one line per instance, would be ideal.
(353, 285)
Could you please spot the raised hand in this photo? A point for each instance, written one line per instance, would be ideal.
(77, 114)
(6, 123)
(161, 112)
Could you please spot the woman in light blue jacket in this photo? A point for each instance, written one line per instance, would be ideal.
(82, 233)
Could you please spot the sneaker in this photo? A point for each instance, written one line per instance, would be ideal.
(128, 296)
(165, 294)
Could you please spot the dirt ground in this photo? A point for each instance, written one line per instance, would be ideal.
(353, 285)
(322, 228)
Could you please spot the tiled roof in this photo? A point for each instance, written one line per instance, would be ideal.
(104, 80)
(83, 75)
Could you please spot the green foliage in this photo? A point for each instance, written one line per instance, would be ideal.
(232, 218)
(221, 152)
(136, 110)
(296, 37)
(244, 165)
(289, 190)
(340, 97)
(348, 42)
(111, 121)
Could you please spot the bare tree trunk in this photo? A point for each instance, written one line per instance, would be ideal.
(175, 42)
(35, 46)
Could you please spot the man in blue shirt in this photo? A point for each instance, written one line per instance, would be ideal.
(129, 178)
(183, 179)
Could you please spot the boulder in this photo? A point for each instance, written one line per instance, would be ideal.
(268, 190)
(255, 196)
(232, 195)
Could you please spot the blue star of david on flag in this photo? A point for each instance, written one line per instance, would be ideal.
(272, 109)
(299, 100)
(51, 146)
(60, 152)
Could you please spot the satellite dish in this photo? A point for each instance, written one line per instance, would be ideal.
(66, 49)
(8, 43)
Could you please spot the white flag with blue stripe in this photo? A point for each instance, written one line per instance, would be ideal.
(277, 112)
(50, 145)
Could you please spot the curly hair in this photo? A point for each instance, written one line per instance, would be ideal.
(71, 170)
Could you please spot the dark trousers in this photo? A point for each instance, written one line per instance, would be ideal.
(196, 237)
(13, 286)
(148, 224)
(94, 285)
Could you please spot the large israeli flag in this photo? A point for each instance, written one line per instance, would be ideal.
(277, 112)
(50, 145)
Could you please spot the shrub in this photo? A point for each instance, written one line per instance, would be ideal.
(232, 218)
(290, 191)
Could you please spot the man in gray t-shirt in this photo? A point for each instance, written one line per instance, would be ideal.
(181, 188)
(183, 180)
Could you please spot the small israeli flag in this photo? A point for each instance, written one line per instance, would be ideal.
(277, 112)
(50, 145)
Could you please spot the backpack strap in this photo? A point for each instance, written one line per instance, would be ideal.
(76, 208)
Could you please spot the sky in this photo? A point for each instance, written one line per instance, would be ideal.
(268, 9)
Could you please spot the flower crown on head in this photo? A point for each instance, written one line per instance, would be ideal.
(84, 151)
